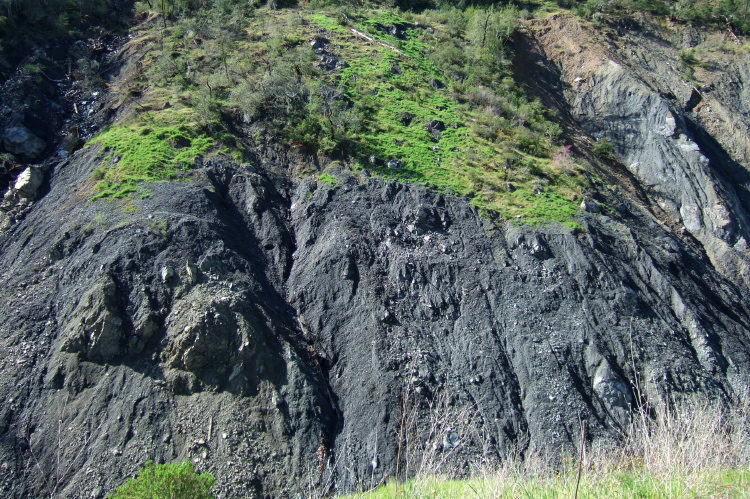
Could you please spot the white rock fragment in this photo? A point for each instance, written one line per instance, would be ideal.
(29, 181)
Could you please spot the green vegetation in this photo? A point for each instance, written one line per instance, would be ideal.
(31, 69)
(151, 150)
(688, 57)
(438, 106)
(159, 227)
(173, 481)
(328, 179)
(603, 148)
(624, 484)
(688, 61)
(721, 13)
(695, 450)
(425, 96)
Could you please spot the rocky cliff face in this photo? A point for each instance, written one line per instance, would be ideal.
(679, 141)
(299, 338)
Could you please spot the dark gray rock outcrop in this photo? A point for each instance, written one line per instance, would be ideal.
(19, 140)
(685, 148)
(131, 359)
(331, 336)
(496, 334)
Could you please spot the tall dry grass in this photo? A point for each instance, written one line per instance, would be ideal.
(691, 437)
(696, 449)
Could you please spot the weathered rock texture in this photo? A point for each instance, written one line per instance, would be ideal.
(19, 140)
(688, 149)
(296, 338)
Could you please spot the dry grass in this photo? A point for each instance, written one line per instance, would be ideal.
(695, 450)
(691, 438)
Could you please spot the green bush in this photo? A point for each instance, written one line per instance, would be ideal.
(688, 57)
(603, 148)
(328, 179)
(167, 481)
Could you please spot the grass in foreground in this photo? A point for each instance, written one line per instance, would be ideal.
(694, 451)
(623, 484)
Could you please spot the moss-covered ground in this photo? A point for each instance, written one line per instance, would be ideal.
(151, 149)
(492, 153)
(419, 99)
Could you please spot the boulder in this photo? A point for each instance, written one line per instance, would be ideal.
(330, 63)
(591, 206)
(406, 118)
(318, 43)
(212, 341)
(167, 272)
(96, 329)
(435, 127)
(20, 141)
(29, 181)
(613, 392)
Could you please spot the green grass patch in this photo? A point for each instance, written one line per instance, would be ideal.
(328, 22)
(615, 485)
(159, 147)
(537, 209)
(328, 179)
(486, 137)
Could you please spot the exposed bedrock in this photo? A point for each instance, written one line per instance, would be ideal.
(517, 332)
(302, 337)
(688, 149)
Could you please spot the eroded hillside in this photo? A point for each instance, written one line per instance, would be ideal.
(321, 248)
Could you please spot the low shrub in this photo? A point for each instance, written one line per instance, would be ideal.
(172, 481)
(603, 148)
